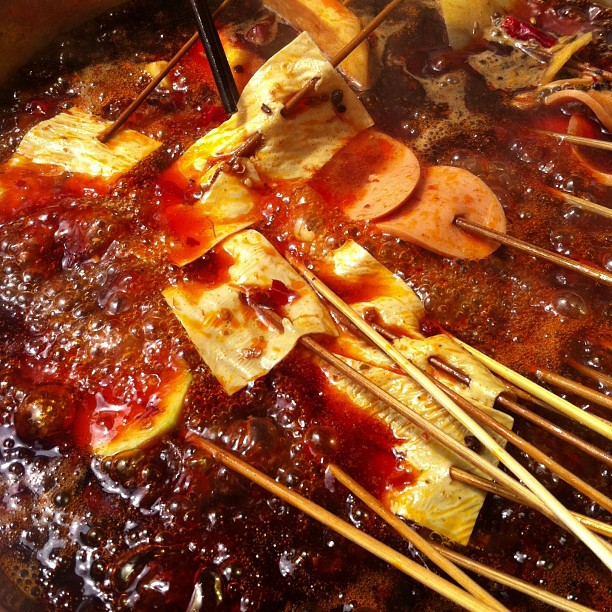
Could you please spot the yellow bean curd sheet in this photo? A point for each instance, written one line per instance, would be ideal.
(239, 347)
(434, 500)
(292, 148)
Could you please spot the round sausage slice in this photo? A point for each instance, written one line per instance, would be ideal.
(427, 218)
(369, 177)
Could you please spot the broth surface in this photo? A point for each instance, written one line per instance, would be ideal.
(84, 329)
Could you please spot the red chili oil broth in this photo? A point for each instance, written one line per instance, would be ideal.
(81, 313)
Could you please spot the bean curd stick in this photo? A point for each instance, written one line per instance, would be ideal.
(323, 516)
(153, 84)
(341, 55)
(520, 493)
(475, 409)
(601, 426)
(406, 532)
(530, 249)
(505, 402)
(495, 488)
(596, 545)
(572, 386)
(415, 539)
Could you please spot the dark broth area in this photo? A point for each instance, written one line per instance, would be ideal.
(84, 329)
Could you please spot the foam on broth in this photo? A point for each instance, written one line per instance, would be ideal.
(83, 324)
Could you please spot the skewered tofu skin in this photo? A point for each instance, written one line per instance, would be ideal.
(331, 25)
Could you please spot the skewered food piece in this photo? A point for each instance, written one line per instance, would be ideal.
(234, 343)
(286, 148)
(135, 429)
(112, 494)
(427, 218)
(64, 153)
(369, 177)
(69, 143)
(332, 26)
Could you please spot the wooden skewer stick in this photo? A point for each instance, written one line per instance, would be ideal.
(144, 94)
(503, 401)
(510, 581)
(495, 488)
(596, 545)
(592, 373)
(406, 532)
(555, 430)
(341, 56)
(530, 249)
(474, 409)
(323, 516)
(581, 203)
(448, 442)
(594, 143)
(572, 386)
(415, 539)
(601, 426)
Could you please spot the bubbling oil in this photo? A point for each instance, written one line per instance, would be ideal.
(82, 320)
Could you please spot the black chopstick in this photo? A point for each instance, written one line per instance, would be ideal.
(216, 56)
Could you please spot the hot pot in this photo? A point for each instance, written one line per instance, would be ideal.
(123, 533)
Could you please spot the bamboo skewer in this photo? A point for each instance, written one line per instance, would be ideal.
(504, 402)
(597, 546)
(601, 426)
(581, 203)
(572, 386)
(406, 532)
(592, 373)
(495, 488)
(561, 603)
(323, 516)
(273, 320)
(594, 143)
(341, 56)
(530, 249)
(153, 84)
(555, 430)
(415, 539)
(474, 409)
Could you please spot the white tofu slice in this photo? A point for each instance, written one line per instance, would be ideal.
(293, 148)
(433, 499)
(69, 143)
(332, 26)
(236, 345)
